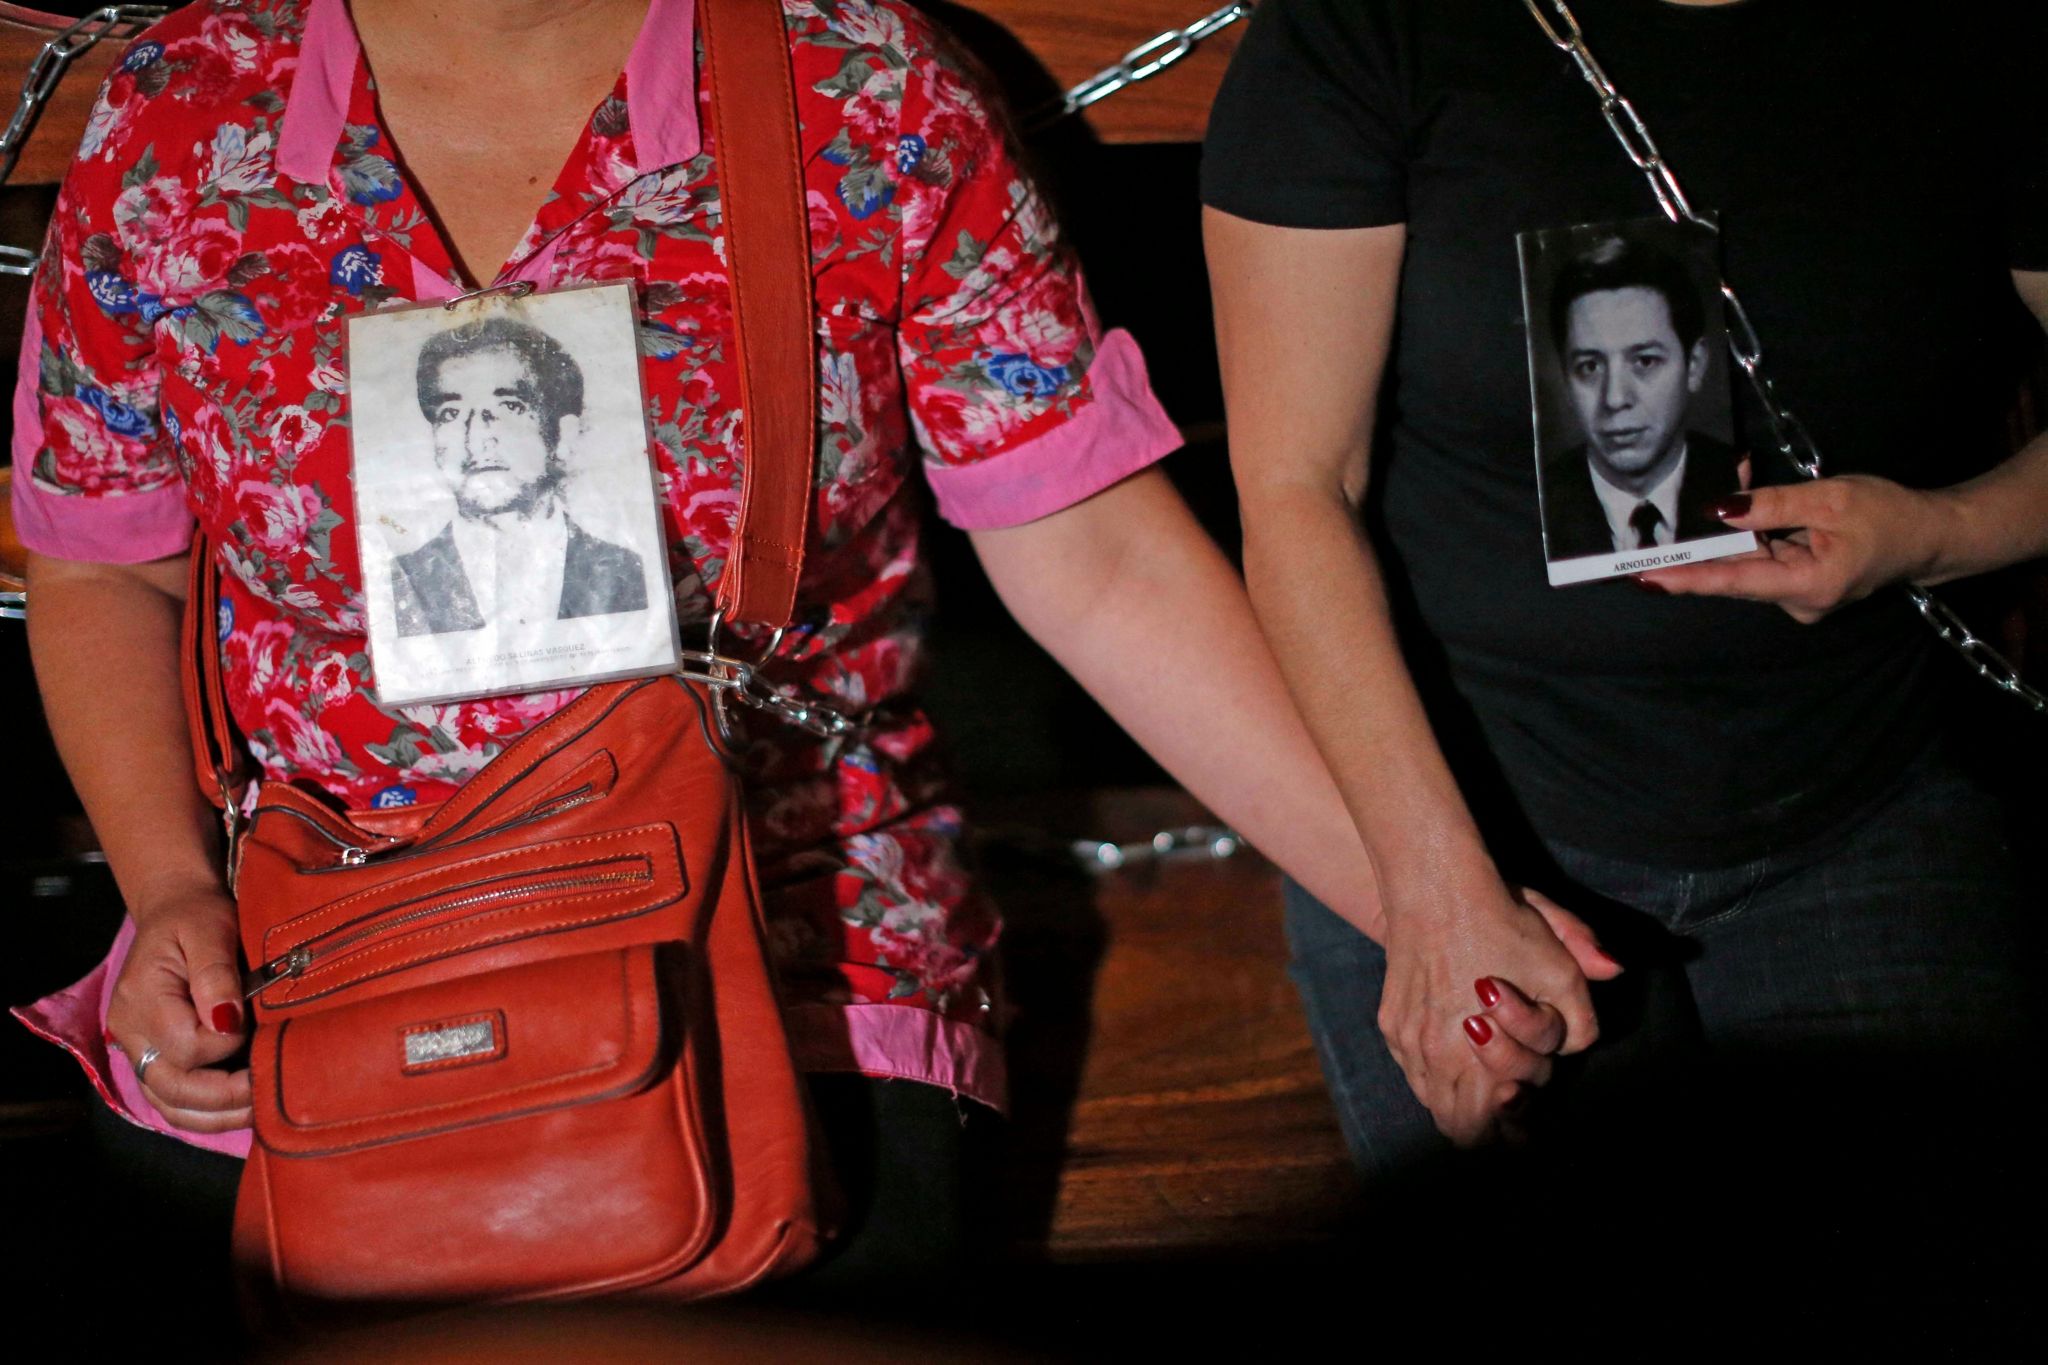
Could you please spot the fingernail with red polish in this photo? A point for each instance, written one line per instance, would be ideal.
(1728, 508)
(227, 1017)
(1487, 991)
(1478, 1029)
(1647, 585)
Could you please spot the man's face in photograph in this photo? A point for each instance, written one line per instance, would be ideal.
(1632, 380)
(493, 440)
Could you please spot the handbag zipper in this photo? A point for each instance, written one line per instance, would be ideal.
(301, 959)
(353, 855)
(568, 800)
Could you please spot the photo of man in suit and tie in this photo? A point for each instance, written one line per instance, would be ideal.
(1632, 346)
(505, 402)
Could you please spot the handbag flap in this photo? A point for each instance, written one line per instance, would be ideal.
(561, 898)
(477, 1049)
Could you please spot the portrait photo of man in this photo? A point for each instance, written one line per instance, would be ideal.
(1629, 455)
(505, 403)
(507, 510)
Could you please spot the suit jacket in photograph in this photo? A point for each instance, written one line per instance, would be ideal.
(1575, 524)
(433, 597)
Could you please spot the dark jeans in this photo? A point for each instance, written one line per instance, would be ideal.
(1846, 1028)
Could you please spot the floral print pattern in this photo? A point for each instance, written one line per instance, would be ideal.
(192, 305)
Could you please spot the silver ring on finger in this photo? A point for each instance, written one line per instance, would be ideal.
(149, 1054)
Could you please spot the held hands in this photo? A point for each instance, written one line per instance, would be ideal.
(180, 994)
(1848, 537)
(1468, 1069)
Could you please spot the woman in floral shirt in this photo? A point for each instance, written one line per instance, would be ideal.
(237, 196)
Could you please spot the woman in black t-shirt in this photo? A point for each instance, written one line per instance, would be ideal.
(1736, 773)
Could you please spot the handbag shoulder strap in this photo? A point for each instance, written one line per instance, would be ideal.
(221, 762)
(768, 254)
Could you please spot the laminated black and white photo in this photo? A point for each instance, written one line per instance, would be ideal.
(505, 503)
(1630, 389)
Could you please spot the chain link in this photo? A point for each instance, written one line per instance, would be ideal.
(1101, 857)
(732, 678)
(48, 69)
(1141, 63)
(1788, 433)
(1207, 843)
(727, 676)
(41, 82)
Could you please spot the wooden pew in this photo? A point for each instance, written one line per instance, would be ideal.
(1166, 1094)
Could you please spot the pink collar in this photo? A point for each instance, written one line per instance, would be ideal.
(661, 89)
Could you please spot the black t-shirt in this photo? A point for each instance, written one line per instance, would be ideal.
(1877, 171)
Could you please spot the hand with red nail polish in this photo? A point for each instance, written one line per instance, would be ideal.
(1520, 1036)
(1831, 542)
(180, 992)
(1451, 952)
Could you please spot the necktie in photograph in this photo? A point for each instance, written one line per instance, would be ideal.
(1646, 519)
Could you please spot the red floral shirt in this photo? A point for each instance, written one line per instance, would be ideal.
(236, 198)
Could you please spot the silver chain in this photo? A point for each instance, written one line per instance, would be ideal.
(1141, 63)
(43, 75)
(732, 678)
(1788, 433)
(742, 681)
(1202, 843)
(1102, 857)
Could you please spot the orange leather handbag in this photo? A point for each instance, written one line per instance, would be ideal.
(526, 1044)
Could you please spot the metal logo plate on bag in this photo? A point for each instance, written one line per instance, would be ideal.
(454, 1042)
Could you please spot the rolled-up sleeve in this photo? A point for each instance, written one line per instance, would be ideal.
(94, 474)
(1022, 403)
